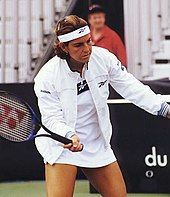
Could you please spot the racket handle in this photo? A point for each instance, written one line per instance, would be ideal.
(57, 137)
(54, 137)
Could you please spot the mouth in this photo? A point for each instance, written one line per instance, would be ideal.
(86, 56)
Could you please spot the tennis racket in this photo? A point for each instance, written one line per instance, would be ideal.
(18, 121)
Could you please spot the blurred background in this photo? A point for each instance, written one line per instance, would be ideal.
(140, 31)
(26, 34)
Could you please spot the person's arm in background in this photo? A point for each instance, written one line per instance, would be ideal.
(135, 91)
(119, 49)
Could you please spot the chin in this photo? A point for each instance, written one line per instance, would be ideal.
(85, 60)
(99, 26)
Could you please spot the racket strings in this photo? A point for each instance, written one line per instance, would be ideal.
(13, 137)
(14, 134)
(15, 119)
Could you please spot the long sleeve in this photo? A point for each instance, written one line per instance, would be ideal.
(133, 90)
(50, 108)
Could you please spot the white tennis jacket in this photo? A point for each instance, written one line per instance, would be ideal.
(56, 89)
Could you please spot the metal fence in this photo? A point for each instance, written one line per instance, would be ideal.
(25, 25)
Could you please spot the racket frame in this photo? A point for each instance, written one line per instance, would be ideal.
(36, 121)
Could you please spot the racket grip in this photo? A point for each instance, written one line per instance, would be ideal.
(82, 147)
(64, 140)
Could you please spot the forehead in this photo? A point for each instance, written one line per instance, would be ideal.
(81, 39)
(98, 14)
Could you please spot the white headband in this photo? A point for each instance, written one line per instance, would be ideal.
(74, 34)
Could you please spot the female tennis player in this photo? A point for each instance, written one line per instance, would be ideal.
(72, 91)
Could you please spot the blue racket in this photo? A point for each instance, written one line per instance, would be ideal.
(18, 122)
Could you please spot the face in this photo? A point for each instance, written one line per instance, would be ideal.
(97, 20)
(80, 49)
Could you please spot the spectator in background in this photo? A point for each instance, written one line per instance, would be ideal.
(103, 36)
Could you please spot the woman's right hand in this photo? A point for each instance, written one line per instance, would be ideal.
(75, 146)
(168, 114)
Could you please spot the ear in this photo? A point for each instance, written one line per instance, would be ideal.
(64, 47)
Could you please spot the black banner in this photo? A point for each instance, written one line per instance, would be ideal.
(141, 144)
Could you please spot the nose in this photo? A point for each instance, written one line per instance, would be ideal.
(86, 48)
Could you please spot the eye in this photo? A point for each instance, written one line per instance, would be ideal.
(78, 45)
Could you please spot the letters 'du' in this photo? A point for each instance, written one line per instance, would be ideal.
(154, 159)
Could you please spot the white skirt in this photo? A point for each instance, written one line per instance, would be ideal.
(94, 154)
(93, 159)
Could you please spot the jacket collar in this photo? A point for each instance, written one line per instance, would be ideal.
(74, 74)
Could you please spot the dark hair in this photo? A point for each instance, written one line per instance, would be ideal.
(96, 9)
(66, 25)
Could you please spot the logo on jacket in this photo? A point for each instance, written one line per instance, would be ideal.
(45, 91)
(82, 87)
(121, 66)
(102, 83)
